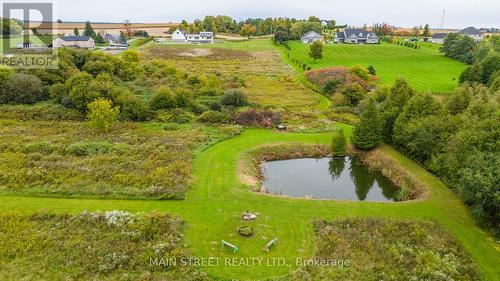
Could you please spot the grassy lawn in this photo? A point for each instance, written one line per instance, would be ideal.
(425, 69)
(216, 200)
(42, 40)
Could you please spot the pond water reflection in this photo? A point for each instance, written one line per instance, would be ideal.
(338, 178)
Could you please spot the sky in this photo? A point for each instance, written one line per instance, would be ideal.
(401, 13)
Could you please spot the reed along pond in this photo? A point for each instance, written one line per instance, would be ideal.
(327, 178)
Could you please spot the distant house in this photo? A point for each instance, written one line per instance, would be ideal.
(83, 42)
(202, 37)
(438, 38)
(472, 32)
(356, 36)
(311, 36)
(112, 40)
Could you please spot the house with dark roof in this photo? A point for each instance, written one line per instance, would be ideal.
(84, 42)
(310, 37)
(438, 38)
(356, 36)
(472, 32)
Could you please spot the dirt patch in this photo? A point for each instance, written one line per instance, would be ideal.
(196, 53)
(187, 52)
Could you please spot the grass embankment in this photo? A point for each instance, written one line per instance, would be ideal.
(217, 199)
(425, 69)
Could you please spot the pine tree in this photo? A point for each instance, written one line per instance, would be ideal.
(123, 40)
(426, 32)
(76, 32)
(338, 143)
(89, 31)
(99, 39)
(368, 133)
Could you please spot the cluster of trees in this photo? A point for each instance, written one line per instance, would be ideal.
(459, 47)
(286, 28)
(457, 139)
(10, 27)
(485, 68)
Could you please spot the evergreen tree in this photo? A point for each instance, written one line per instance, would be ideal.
(89, 31)
(426, 32)
(99, 39)
(123, 40)
(338, 143)
(368, 133)
(76, 32)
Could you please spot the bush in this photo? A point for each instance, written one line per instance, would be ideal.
(22, 89)
(245, 231)
(338, 143)
(163, 99)
(353, 93)
(265, 118)
(360, 71)
(214, 105)
(213, 117)
(132, 108)
(331, 86)
(89, 148)
(234, 98)
(198, 108)
(101, 115)
(178, 116)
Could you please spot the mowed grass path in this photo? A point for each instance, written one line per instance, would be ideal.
(425, 69)
(217, 199)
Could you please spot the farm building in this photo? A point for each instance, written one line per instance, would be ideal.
(472, 32)
(310, 37)
(83, 42)
(438, 38)
(356, 36)
(202, 37)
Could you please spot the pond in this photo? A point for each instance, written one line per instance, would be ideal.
(326, 178)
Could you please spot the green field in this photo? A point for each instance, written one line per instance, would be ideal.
(217, 199)
(425, 69)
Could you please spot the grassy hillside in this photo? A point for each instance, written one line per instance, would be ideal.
(425, 69)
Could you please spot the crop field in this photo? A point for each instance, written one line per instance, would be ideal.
(425, 69)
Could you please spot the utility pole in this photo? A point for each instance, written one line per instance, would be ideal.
(442, 19)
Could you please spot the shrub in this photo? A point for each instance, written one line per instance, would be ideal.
(198, 108)
(234, 98)
(163, 99)
(353, 92)
(214, 105)
(371, 70)
(22, 89)
(88, 148)
(101, 115)
(132, 108)
(265, 118)
(360, 71)
(331, 86)
(213, 117)
(322, 76)
(245, 231)
(338, 143)
(177, 115)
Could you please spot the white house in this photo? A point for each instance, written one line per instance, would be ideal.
(472, 32)
(202, 37)
(310, 37)
(438, 38)
(83, 42)
(356, 36)
(179, 35)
